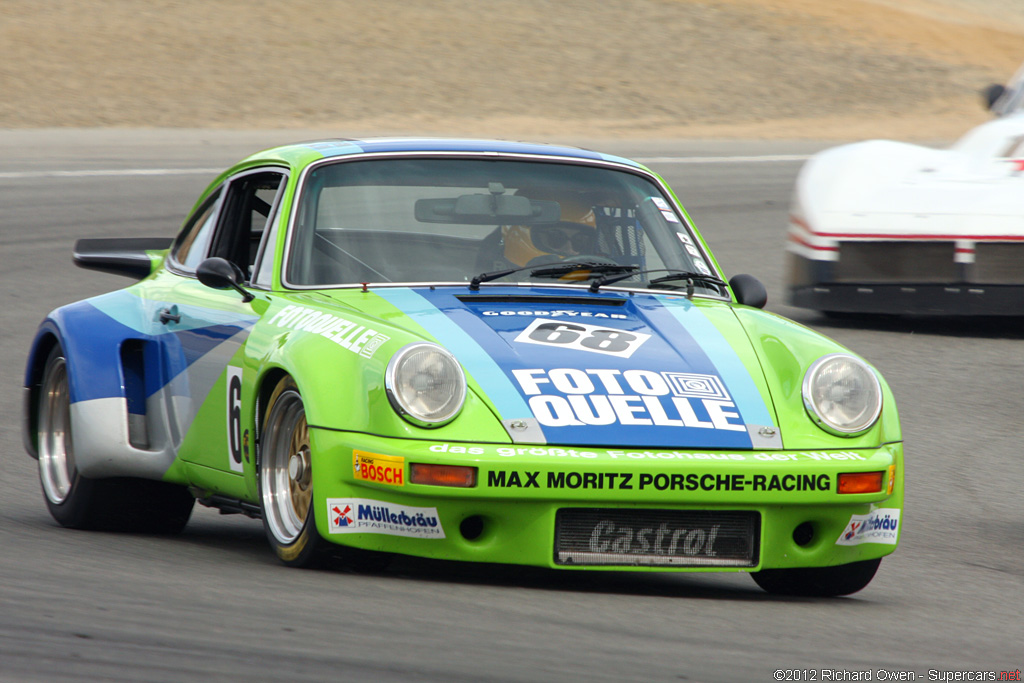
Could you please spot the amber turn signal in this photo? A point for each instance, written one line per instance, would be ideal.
(442, 475)
(861, 482)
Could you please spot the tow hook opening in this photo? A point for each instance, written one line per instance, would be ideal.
(472, 527)
(803, 534)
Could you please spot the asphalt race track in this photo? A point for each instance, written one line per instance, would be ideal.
(214, 604)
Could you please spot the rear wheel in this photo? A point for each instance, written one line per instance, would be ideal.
(286, 480)
(818, 581)
(77, 502)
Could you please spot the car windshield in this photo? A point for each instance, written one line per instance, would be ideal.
(1012, 100)
(450, 220)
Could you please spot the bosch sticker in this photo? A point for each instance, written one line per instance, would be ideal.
(377, 468)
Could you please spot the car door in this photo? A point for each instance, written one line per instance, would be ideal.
(208, 328)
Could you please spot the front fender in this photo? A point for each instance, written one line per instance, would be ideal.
(786, 350)
(343, 389)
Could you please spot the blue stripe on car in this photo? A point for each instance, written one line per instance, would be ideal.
(333, 148)
(95, 330)
(500, 390)
(680, 342)
(730, 368)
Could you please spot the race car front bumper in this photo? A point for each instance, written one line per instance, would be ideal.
(898, 279)
(563, 507)
(911, 299)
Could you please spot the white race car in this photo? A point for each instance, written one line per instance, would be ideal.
(889, 227)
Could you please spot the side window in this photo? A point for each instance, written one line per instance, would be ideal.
(264, 268)
(194, 241)
(1015, 149)
(248, 209)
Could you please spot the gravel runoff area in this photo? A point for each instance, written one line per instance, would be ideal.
(612, 69)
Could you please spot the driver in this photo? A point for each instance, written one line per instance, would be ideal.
(574, 234)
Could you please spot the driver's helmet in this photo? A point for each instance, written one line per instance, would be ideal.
(574, 234)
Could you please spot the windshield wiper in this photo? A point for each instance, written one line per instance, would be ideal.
(548, 270)
(688, 275)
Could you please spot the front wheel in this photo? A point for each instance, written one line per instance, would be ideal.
(286, 480)
(842, 579)
(77, 502)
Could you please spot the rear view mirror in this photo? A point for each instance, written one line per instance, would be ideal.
(219, 273)
(487, 209)
(749, 291)
(991, 95)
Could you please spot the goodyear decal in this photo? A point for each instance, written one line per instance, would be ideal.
(658, 374)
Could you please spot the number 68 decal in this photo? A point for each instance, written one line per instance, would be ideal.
(234, 414)
(582, 337)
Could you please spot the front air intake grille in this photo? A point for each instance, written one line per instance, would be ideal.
(883, 262)
(677, 538)
(998, 264)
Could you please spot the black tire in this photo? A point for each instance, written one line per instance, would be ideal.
(77, 502)
(285, 478)
(842, 579)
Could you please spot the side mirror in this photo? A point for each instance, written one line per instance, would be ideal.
(219, 273)
(749, 291)
(991, 94)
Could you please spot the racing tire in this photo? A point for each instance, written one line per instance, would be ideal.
(77, 502)
(842, 579)
(285, 479)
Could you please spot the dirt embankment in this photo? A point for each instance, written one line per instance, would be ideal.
(510, 68)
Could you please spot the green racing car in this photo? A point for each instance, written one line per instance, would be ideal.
(467, 350)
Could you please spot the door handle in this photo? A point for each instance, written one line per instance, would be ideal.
(168, 315)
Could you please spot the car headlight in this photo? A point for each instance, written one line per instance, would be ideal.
(842, 394)
(425, 384)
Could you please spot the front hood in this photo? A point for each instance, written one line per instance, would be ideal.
(562, 366)
(881, 189)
